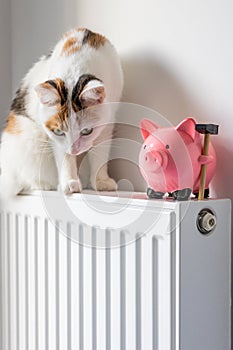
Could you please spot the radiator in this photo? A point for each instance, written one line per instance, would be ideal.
(116, 272)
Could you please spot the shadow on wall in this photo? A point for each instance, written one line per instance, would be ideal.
(150, 82)
(147, 82)
(222, 181)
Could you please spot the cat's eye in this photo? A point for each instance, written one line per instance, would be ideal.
(58, 132)
(86, 131)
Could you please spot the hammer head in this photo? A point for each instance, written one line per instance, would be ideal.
(207, 129)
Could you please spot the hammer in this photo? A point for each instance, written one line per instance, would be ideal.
(207, 130)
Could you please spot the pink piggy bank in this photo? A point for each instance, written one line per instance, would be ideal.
(170, 159)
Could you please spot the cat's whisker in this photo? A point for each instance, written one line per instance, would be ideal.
(44, 150)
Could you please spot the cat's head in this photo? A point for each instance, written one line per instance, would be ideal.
(71, 116)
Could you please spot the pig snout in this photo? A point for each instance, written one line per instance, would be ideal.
(155, 159)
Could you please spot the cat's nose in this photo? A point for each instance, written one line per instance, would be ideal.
(74, 148)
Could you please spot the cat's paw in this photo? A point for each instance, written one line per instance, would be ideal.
(107, 184)
(9, 188)
(71, 186)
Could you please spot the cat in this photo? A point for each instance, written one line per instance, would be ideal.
(60, 114)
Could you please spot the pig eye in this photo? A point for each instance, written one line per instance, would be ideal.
(167, 146)
(144, 146)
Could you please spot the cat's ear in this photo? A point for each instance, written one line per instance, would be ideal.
(92, 94)
(48, 93)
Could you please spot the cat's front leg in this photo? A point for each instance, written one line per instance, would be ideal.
(68, 174)
(98, 158)
(102, 181)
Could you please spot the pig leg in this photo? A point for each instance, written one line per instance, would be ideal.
(154, 194)
(182, 195)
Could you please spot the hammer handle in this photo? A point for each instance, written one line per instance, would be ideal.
(203, 167)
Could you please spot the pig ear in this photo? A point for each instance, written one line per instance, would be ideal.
(188, 126)
(147, 127)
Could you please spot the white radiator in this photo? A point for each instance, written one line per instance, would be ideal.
(112, 273)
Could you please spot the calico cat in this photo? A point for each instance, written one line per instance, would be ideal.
(60, 112)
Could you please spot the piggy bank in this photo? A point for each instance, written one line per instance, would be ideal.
(170, 159)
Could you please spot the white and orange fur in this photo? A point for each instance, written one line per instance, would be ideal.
(60, 112)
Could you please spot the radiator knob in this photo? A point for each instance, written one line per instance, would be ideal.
(206, 221)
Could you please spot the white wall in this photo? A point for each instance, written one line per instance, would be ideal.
(36, 26)
(177, 56)
(178, 60)
(28, 29)
(5, 59)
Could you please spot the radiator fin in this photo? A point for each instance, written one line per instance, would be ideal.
(108, 289)
(155, 304)
(94, 289)
(123, 291)
(2, 321)
(138, 278)
(9, 230)
(46, 276)
(81, 292)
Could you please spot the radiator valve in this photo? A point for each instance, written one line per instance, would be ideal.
(206, 221)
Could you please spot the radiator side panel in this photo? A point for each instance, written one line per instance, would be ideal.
(205, 279)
